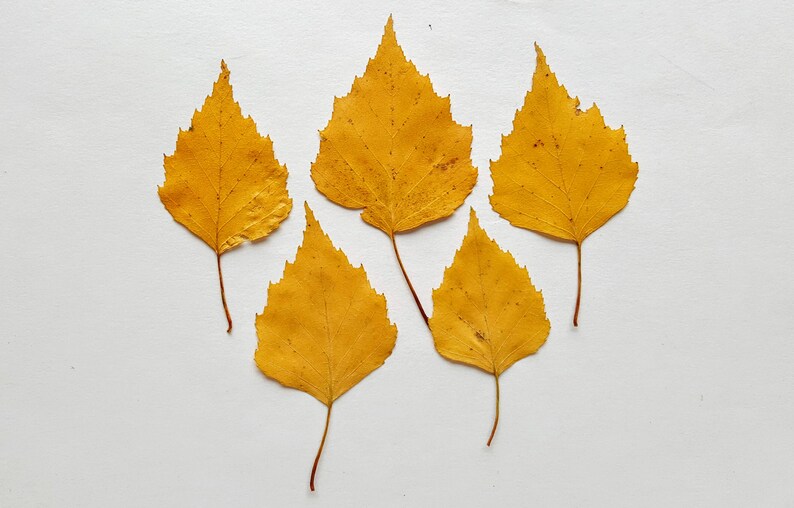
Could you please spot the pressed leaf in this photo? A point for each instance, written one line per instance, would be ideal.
(324, 328)
(393, 149)
(487, 313)
(223, 182)
(562, 172)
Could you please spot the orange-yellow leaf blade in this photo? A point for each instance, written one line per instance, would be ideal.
(487, 313)
(392, 147)
(324, 328)
(223, 182)
(562, 171)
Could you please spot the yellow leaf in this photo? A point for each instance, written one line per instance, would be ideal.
(393, 149)
(487, 313)
(562, 171)
(223, 182)
(324, 328)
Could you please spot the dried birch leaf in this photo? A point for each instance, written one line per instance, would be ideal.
(487, 313)
(223, 182)
(393, 149)
(324, 328)
(562, 171)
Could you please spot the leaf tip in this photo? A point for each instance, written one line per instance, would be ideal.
(388, 29)
(309, 213)
(474, 222)
(541, 57)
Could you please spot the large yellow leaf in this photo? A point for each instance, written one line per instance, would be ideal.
(393, 149)
(223, 182)
(562, 171)
(487, 313)
(324, 328)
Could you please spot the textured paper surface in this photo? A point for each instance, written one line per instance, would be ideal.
(111, 396)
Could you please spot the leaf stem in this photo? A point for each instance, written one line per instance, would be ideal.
(579, 284)
(410, 286)
(223, 296)
(320, 450)
(496, 417)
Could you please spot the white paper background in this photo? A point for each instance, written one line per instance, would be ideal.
(120, 387)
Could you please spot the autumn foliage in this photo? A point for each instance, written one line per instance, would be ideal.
(223, 182)
(392, 150)
(563, 172)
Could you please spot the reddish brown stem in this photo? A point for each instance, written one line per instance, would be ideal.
(223, 296)
(496, 417)
(578, 285)
(320, 450)
(410, 286)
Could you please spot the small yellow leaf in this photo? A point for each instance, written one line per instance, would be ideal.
(487, 313)
(223, 182)
(562, 171)
(324, 328)
(393, 149)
